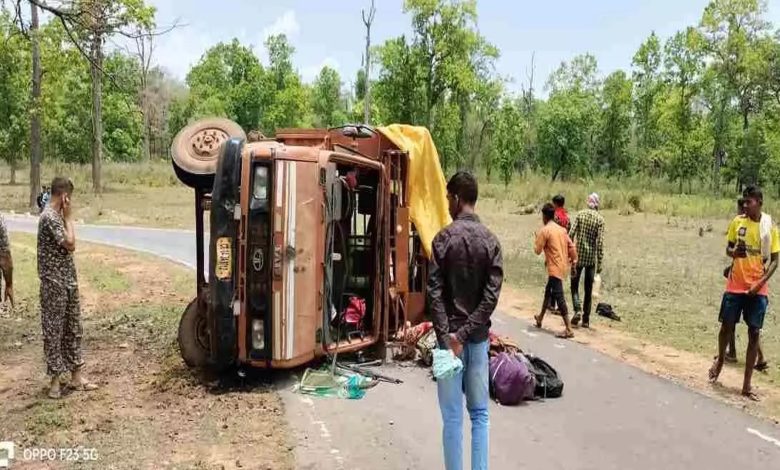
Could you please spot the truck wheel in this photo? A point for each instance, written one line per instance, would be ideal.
(194, 336)
(195, 150)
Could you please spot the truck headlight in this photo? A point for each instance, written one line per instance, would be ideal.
(258, 334)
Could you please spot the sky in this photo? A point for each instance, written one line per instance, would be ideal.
(331, 32)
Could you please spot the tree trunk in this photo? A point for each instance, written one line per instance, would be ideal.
(14, 164)
(367, 98)
(97, 110)
(147, 131)
(36, 153)
(368, 21)
(555, 173)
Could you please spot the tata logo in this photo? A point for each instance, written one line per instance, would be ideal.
(6, 453)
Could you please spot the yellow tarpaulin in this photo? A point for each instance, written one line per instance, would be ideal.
(426, 186)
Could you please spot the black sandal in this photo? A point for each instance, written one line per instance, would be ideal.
(762, 366)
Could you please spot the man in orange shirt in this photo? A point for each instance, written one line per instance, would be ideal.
(559, 255)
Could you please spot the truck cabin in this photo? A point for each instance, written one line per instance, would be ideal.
(311, 250)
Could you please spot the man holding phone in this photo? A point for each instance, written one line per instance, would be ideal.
(59, 295)
(753, 243)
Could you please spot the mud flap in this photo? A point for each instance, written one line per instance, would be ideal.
(223, 254)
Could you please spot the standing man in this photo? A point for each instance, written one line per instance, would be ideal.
(6, 264)
(463, 289)
(59, 296)
(559, 255)
(751, 240)
(561, 216)
(731, 351)
(587, 231)
(562, 219)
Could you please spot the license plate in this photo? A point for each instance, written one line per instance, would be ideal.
(224, 265)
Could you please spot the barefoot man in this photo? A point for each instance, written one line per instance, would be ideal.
(559, 255)
(752, 239)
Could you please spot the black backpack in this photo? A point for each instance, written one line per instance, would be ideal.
(548, 382)
(605, 310)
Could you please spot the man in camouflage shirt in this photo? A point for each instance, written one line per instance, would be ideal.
(6, 267)
(587, 231)
(59, 296)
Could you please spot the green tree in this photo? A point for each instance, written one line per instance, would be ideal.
(722, 120)
(123, 134)
(615, 123)
(737, 39)
(508, 139)
(564, 130)
(684, 65)
(581, 74)
(444, 36)
(89, 24)
(734, 31)
(648, 84)
(326, 99)
(288, 99)
(14, 92)
(479, 125)
(398, 91)
(228, 81)
(360, 85)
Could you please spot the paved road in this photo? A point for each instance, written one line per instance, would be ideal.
(612, 416)
(175, 245)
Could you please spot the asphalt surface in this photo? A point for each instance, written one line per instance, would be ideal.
(612, 416)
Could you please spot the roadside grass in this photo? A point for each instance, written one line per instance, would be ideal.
(150, 411)
(106, 279)
(660, 275)
(626, 195)
(145, 194)
(149, 194)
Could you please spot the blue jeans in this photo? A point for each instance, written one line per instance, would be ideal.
(473, 381)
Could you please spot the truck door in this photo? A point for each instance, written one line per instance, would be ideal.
(297, 229)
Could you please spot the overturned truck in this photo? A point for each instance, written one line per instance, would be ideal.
(318, 239)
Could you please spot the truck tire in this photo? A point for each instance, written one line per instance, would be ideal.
(196, 148)
(194, 335)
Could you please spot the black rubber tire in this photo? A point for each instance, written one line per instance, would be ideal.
(193, 336)
(196, 148)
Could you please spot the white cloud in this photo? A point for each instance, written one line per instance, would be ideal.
(286, 24)
(309, 73)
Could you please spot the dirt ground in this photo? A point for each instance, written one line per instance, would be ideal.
(150, 411)
(683, 367)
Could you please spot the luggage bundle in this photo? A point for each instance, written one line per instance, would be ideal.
(515, 376)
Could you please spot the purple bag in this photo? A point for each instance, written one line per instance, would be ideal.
(510, 380)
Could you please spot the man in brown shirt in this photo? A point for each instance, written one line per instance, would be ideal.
(559, 255)
(463, 289)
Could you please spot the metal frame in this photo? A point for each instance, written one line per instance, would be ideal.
(202, 204)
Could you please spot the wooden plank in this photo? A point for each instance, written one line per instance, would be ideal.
(402, 250)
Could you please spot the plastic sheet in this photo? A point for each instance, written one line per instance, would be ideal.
(445, 364)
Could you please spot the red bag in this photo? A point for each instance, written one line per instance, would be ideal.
(355, 311)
